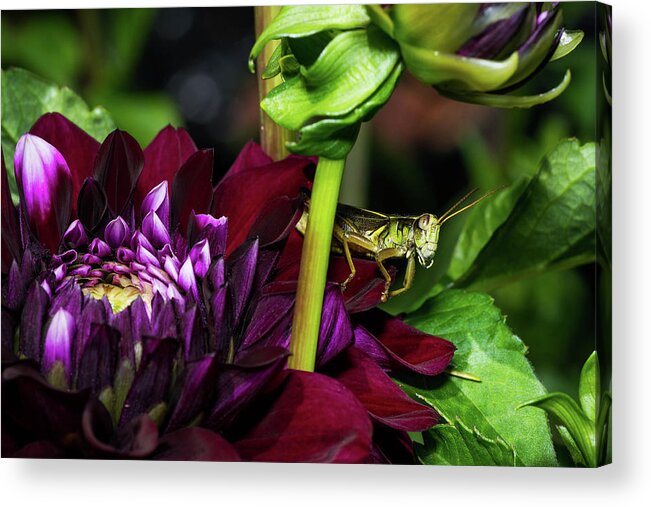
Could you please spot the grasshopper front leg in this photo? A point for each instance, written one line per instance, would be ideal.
(380, 257)
(346, 238)
(409, 277)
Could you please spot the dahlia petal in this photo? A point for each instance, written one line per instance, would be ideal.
(192, 188)
(391, 447)
(270, 322)
(187, 280)
(314, 419)
(167, 152)
(136, 439)
(171, 266)
(157, 201)
(238, 383)
(241, 201)
(202, 226)
(99, 248)
(116, 232)
(68, 298)
(77, 147)
(195, 444)
(59, 274)
(67, 257)
(75, 235)
(400, 346)
(57, 347)
(197, 384)
(11, 243)
(45, 185)
(241, 274)
(92, 205)
(384, 400)
(200, 256)
(154, 229)
(251, 156)
(336, 331)
(38, 410)
(99, 359)
(152, 379)
(117, 167)
(89, 258)
(124, 254)
(31, 325)
(92, 315)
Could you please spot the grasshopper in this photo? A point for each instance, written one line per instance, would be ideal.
(382, 237)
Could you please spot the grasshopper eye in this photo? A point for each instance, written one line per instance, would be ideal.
(423, 222)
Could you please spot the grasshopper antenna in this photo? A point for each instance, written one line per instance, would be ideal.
(447, 216)
(456, 204)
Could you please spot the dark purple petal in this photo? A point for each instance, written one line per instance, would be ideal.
(11, 242)
(241, 274)
(244, 191)
(314, 419)
(75, 235)
(490, 43)
(92, 207)
(192, 188)
(195, 444)
(163, 157)
(137, 439)
(45, 186)
(99, 359)
(270, 322)
(158, 201)
(202, 226)
(57, 347)
(69, 298)
(155, 231)
(152, 378)
(384, 400)
(336, 331)
(92, 315)
(31, 325)
(37, 410)
(400, 346)
(238, 383)
(77, 147)
(391, 447)
(116, 232)
(117, 167)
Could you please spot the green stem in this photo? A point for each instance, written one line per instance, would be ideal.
(314, 264)
(272, 136)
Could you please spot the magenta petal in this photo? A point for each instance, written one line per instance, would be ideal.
(158, 201)
(11, 243)
(165, 154)
(197, 382)
(200, 255)
(203, 226)
(77, 147)
(401, 346)
(75, 235)
(192, 188)
(384, 400)
(243, 193)
(155, 231)
(58, 342)
(116, 232)
(315, 419)
(117, 167)
(99, 248)
(45, 185)
(195, 444)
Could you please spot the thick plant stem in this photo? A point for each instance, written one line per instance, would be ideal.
(314, 264)
(272, 136)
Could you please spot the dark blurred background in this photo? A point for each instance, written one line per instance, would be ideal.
(187, 66)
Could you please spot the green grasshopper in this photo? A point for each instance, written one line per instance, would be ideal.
(382, 237)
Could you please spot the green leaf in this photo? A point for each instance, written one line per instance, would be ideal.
(480, 224)
(334, 137)
(302, 20)
(348, 71)
(571, 446)
(456, 444)
(572, 417)
(25, 97)
(552, 225)
(589, 388)
(488, 349)
(509, 101)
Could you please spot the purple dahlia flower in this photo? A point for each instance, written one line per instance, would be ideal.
(134, 325)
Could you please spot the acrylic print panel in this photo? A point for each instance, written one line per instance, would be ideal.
(251, 234)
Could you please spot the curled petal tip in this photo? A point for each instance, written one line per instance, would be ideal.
(116, 232)
(58, 343)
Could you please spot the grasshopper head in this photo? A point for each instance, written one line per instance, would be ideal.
(426, 238)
